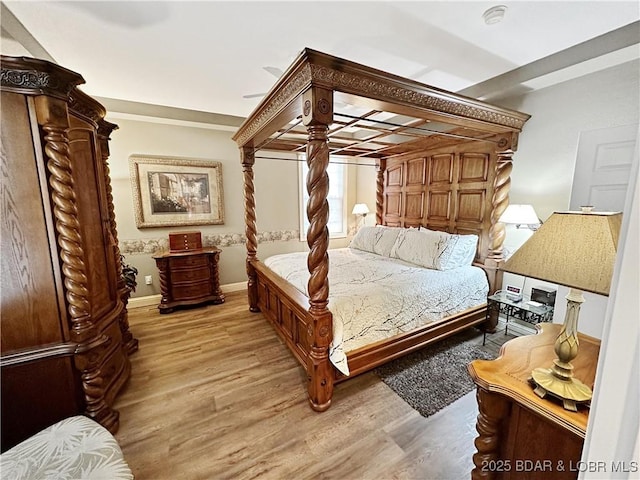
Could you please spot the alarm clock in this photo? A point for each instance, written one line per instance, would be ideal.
(513, 293)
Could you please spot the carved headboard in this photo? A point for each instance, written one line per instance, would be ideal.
(448, 189)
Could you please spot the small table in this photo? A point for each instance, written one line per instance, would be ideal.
(188, 278)
(520, 435)
(499, 303)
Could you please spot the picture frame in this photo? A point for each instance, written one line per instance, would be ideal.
(176, 191)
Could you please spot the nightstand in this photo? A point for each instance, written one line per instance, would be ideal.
(520, 435)
(524, 310)
(188, 277)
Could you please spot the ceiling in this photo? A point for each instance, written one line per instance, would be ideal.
(205, 56)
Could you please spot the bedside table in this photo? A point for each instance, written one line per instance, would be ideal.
(520, 435)
(188, 277)
(499, 303)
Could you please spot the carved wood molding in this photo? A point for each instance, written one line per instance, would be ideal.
(51, 351)
(371, 87)
(86, 106)
(31, 76)
(294, 87)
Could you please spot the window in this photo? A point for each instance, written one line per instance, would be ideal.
(337, 198)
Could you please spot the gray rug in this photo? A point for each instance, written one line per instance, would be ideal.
(432, 378)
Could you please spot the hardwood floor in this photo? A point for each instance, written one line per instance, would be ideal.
(214, 394)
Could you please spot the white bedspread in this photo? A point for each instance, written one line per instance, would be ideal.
(373, 297)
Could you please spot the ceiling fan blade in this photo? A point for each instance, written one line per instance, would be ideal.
(275, 71)
(254, 95)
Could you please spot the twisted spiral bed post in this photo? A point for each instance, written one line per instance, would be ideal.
(499, 203)
(317, 116)
(248, 160)
(381, 166)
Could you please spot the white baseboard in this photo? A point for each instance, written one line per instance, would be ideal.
(148, 301)
(154, 300)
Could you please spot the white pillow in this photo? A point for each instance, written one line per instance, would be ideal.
(364, 239)
(379, 239)
(385, 239)
(460, 251)
(421, 247)
(434, 249)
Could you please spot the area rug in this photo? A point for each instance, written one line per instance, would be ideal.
(432, 378)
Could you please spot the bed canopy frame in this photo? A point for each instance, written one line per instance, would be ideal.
(443, 161)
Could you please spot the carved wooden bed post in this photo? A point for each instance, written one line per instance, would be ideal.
(248, 160)
(381, 166)
(499, 203)
(317, 115)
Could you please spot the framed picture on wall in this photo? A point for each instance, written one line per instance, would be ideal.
(175, 191)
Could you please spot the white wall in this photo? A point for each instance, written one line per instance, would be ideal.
(545, 160)
(276, 193)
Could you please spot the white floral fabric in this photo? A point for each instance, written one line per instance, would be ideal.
(373, 297)
(76, 448)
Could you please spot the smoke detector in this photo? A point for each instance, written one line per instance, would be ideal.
(494, 14)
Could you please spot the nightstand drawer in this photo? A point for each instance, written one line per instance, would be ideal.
(192, 275)
(193, 290)
(189, 261)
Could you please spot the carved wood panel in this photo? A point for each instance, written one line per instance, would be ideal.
(439, 207)
(450, 189)
(394, 176)
(471, 206)
(414, 207)
(474, 167)
(440, 169)
(416, 172)
(394, 204)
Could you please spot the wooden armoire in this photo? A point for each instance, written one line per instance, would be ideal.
(65, 337)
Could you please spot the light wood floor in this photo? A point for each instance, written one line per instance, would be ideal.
(214, 394)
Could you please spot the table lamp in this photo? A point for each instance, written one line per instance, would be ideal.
(519, 215)
(360, 209)
(577, 250)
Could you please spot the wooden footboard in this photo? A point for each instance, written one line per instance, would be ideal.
(376, 354)
(287, 310)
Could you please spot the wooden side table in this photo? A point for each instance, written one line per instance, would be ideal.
(520, 435)
(188, 277)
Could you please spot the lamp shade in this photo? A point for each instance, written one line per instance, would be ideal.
(360, 209)
(520, 215)
(575, 249)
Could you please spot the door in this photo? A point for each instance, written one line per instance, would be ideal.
(603, 166)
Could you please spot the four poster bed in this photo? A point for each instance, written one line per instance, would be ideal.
(443, 164)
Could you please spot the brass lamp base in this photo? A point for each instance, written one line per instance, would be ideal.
(570, 390)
